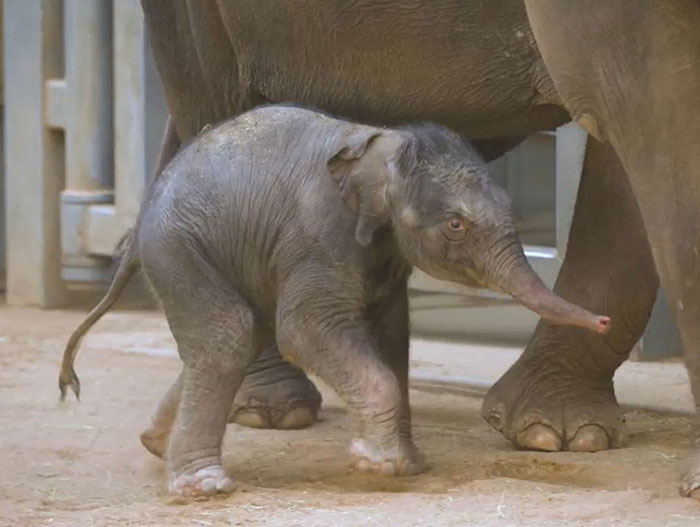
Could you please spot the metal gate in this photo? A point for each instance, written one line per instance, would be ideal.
(83, 115)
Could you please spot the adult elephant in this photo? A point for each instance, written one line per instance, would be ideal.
(628, 73)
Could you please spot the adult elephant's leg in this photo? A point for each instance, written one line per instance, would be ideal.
(642, 94)
(559, 394)
(169, 146)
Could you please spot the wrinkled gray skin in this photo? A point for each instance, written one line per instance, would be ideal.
(641, 95)
(288, 227)
(475, 66)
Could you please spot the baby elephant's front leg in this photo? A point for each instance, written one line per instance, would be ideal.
(380, 443)
(346, 357)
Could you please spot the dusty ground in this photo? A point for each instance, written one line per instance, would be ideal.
(82, 464)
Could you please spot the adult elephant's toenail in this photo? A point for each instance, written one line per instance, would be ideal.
(539, 437)
(589, 438)
(251, 418)
(295, 419)
(494, 417)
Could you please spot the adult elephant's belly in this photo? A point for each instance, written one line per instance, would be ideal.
(472, 66)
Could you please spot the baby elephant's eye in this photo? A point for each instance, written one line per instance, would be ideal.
(454, 228)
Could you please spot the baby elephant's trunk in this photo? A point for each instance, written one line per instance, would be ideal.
(515, 277)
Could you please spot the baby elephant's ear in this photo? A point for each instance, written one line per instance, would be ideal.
(364, 160)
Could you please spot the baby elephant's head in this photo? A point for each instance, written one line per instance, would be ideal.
(449, 217)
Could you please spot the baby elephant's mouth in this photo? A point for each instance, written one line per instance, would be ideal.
(471, 278)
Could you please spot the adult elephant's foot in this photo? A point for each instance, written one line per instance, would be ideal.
(541, 405)
(275, 394)
(559, 394)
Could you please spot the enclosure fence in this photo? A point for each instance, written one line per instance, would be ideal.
(82, 105)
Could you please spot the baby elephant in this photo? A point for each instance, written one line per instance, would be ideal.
(287, 226)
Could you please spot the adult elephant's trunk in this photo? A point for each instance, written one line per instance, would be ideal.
(513, 275)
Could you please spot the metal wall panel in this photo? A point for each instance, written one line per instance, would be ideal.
(33, 152)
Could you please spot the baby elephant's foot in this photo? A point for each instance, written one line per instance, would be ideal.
(155, 439)
(207, 481)
(404, 460)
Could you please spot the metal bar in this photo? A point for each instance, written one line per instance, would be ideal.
(104, 228)
(56, 93)
(88, 123)
(2, 41)
(129, 107)
(661, 338)
(2, 159)
(89, 138)
(34, 153)
(140, 114)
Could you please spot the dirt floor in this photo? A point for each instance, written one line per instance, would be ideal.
(80, 463)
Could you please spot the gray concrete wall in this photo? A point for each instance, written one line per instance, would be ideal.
(2, 160)
(2, 202)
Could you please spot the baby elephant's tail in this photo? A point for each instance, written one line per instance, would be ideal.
(126, 270)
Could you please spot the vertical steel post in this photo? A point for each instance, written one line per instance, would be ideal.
(89, 126)
(129, 107)
(34, 153)
(2, 163)
(139, 117)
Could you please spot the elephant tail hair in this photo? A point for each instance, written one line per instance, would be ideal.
(128, 267)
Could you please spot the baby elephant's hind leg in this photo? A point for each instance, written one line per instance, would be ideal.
(216, 334)
(155, 438)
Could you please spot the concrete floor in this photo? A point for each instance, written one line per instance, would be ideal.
(80, 463)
